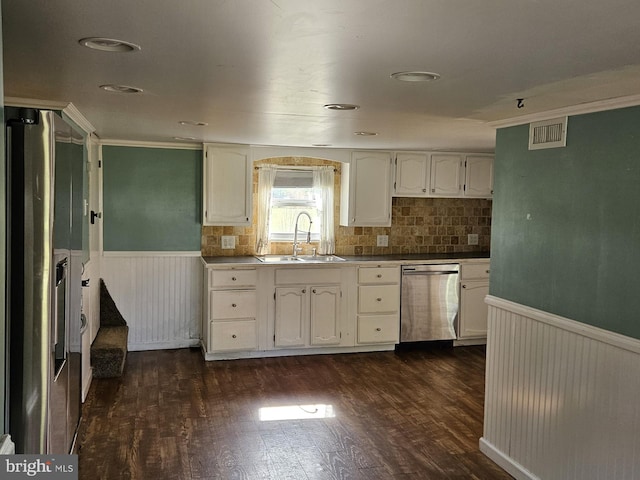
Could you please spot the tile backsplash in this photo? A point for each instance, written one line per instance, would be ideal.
(418, 225)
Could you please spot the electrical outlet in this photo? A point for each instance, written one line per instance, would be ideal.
(228, 242)
(472, 239)
(383, 241)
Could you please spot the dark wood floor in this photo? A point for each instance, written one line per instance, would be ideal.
(407, 415)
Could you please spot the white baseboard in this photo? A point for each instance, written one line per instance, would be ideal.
(86, 384)
(142, 347)
(514, 469)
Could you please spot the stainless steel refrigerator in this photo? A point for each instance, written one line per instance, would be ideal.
(44, 244)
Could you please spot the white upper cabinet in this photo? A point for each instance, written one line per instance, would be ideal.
(227, 185)
(446, 175)
(412, 174)
(366, 190)
(478, 176)
(450, 175)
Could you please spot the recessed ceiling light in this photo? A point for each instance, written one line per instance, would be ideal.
(415, 76)
(108, 44)
(193, 123)
(120, 88)
(365, 134)
(341, 106)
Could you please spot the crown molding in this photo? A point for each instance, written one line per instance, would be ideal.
(34, 103)
(581, 109)
(111, 142)
(74, 114)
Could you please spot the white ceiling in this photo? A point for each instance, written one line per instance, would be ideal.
(260, 71)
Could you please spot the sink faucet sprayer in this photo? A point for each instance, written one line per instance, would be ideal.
(297, 249)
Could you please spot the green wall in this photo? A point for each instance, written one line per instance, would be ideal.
(151, 199)
(566, 221)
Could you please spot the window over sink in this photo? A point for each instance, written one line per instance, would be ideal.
(291, 194)
(283, 193)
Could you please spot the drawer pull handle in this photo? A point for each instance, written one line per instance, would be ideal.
(488, 271)
(379, 299)
(379, 275)
(304, 290)
(233, 278)
(378, 329)
(234, 336)
(464, 286)
(234, 305)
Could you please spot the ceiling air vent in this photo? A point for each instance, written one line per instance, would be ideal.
(548, 134)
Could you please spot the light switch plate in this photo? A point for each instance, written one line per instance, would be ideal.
(228, 242)
(383, 241)
(472, 239)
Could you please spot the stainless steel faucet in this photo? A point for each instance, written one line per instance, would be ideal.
(297, 249)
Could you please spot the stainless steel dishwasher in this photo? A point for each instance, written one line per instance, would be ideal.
(429, 302)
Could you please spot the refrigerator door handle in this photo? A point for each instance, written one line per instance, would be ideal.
(61, 270)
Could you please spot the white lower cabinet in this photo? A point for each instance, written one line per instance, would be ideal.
(378, 305)
(378, 329)
(229, 336)
(325, 315)
(474, 287)
(229, 316)
(307, 314)
(291, 317)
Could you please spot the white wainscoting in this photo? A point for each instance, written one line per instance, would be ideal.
(562, 398)
(158, 294)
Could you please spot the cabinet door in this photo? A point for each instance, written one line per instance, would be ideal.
(325, 315)
(291, 316)
(473, 310)
(227, 186)
(412, 174)
(479, 176)
(366, 202)
(446, 175)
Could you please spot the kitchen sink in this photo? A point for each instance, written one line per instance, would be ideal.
(299, 258)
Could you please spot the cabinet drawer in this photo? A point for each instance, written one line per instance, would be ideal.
(378, 298)
(306, 276)
(378, 274)
(378, 329)
(474, 270)
(232, 278)
(232, 304)
(234, 335)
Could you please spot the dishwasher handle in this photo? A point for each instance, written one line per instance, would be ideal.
(427, 272)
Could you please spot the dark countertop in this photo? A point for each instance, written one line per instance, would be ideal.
(416, 257)
(409, 257)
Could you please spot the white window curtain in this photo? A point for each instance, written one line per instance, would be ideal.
(323, 181)
(266, 177)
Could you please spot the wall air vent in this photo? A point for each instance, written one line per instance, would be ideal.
(548, 134)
